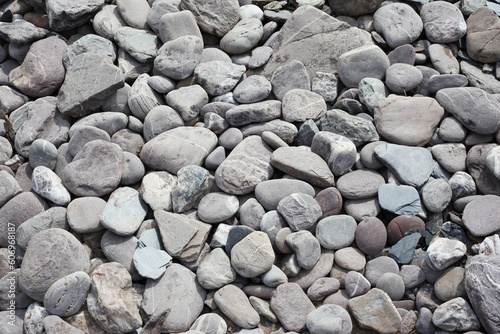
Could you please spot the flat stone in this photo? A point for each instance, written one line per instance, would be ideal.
(451, 156)
(455, 315)
(404, 250)
(274, 277)
(478, 78)
(21, 31)
(63, 16)
(356, 284)
(124, 211)
(338, 151)
(84, 214)
(401, 78)
(47, 184)
(292, 75)
(329, 319)
(362, 208)
(142, 45)
(111, 122)
(244, 315)
(398, 23)
(305, 278)
(89, 43)
(336, 232)
(482, 38)
(300, 211)
(253, 255)
(443, 22)
(269, 193)
(450, 284)
(323, 287)
(215, 271)
(443, 60)
(291, 306)
(263, 307)
(438, 82)
(235, 235)
(285, 130)
(300, 105)
(253, 112)
(353, 65)
(177, 24)
(399, 199)
(443, 252)
(360, 184)
(83, 134)
(218, 77)
(178, 58)
(350, 258)
(357, 129)
(216, 18)
(159, 120)
(121, 249)
(66, 296)
(151, 262)
(243, 37)
(217, 207)
(412, 275)
(480, 216)
(371, 235)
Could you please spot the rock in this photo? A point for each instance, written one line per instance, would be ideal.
(178, 58)
(411, 165)
(300, 211)
(251, 213)
(47, 184)
(216, 18)
(135, 13)
(451, 156)
(159, 120)
(443, 22)
(357, 129)
(353, 65)
(21, 32)
(323, 287)
(42, 67)
(353, 7)
(401, 78)
(306, 248)
(407, 120)
(475, 213)
(371, 91)
(362, 208)
(95, 170)
(455, 315)
(359, 184)
(285, 130)
(107, 21)
(217, 207)
(291, 306)
(292, 75)
(215, 270)
(379, 266)
(43, 153)
(404, 54)
(124, 211)
(254, 112)
(252, 89)
(450, 285)
(210, 323)
(443, 60)
(83, 214)
(350, 258)
(436, 195)
(89, 43)
(253, 255)
(412, 275)
(63, 16)
(142, 98)
(400, 200)
(88, 82)
(142, 45)
(263, 307)
(310, 167)
(476, 78)
(66, 296)
(356, 284)
(182, 236)
(269, 193)
(371, 235)
(235, 235)
(111, 122)
(54, 324)
(482, 39)
(243, 37)
(438, 82)
(483, 179)
(300, 105)
(180, 292)
(244, 315)
(218, 77)
(63, 255)
(177, 24)
(443, 252)
(325, 84)
(392, 284)
(329, 319)
(375, 310)
(305, 278)
(190, 146)
(398, 23)
(336, 232)
(403, 251)
(9, 188)
(233, 175)
(84, 134)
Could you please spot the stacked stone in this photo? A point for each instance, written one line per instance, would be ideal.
(285, 166)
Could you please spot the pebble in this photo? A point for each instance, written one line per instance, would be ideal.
(252, 89)
(404, 250)
(293, 75)
(436, 195)
(150, 262)
(54, 324)
(443, 22)
(401, 200)
(243, 36)
(450, 284)
(371, 236)
(359, 184)
(379, 266)
(401, 78)
(47, 184)
(455, 315)
(338, 151)
(291, 306)
(329, 319)
(323, 287)
(481, 35)
(218, 77)
(412, 275)
(244, 315)
(474, 216)
(178, 58)
(392, 284)
(66, 296)
(209, 323)
(443, 252)
(301, 211)
(366, 61)
(398, 23)
(358, 130)
(256, 249)
(350, 258)
(356, 284)
(300, 105)
(274, 277)
(443, 60)
(306, 248)
(336, 232)
(215, 271)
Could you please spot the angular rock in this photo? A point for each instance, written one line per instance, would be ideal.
(401, 200)
(357, 129)
(253, 255)
(21, 31)
(404, 250)
(151, 262)
(64, 16)
(216, 17)
(218, 77)
(338, 151)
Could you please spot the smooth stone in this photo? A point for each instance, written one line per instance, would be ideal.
(493, 161)
(436, 195)
(21, 31)
(339, 298)
(482, 38)
(371, 236)
(84, 214)
(66, 296)
(462, 185)
(243, 37)
(285, 130)
(107, 21)
(217, 207)
(412, 275)
(443, 60)
(253, 255)
(43, 153)
(329, 319)
(371, 91)
(292, 75)
(216, 18)
(438, 82)
(273, 140)
(451, 156)
(338, 151)
(350, 258)
(121, 249)
(336, 232)
(483, 180)
(299, 210)
(161, 84)
(132, 169)
(450, 284)
(218, 77)
(455, 315)
(404, 54)
(178, 58)
(424, 323)
(479, 216)
(291, 306)
(109, 121)
(244, 315)
(210, 323)
(250, 10)
(299, 105)
(159, 120)
(325, 84)
(323, 287)
(366, 61)
(135, 13)
(124, 211)
(404, 250)
(443, 252)
(310, 167)
(142, 45)
(156, 190)
(360, 184)
(272, 222)
(443, 22)
(230, 138)
(392, 284)
(398, 23)
(401, 78)
(11, 99)
(63, 16)
(151, 262)
(263, 307)
(356, 284)
(142, 98)
(306, 248)
(330, 201)
(254, 112)
(399, 199)
(187, 101)
(305, 278)
(356, 129)
(173, 25)
(81, 135)
(452, 130)
(245, 167)
(252, 89)
(274, 277)
(306, 133)
(47, 184)
(9, 187)
(251, 213)
(359, 209)
(215, 270)
(379, 266)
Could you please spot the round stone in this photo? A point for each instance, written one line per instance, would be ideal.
(398, 23)
(360, 184)
(401, 78)
(253, 89)
(42, 153)
(217, 207)
(443, 22)
(300, 211)
(350, 258)
(371, 236)
(482, 216)
(243, 37)
(215, 270)
(66, 296)
(336, 232)
(329, 319)
(366, 61)
(356, 284)
(330, 201)
(451, 284)
(392, 284)
(253, 255)
(379, 266)
(436, 195)
(402, 224)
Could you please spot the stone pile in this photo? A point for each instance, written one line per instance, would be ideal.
(249, 166)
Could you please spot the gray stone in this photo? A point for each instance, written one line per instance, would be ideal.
(300, 211)
(135, 13)
(215, 271)
(151, 262)
(243, 37)
(235, 235)
(33, 319)
(371, 235)
(63, 16)
(291, 306)
(217, 207)
(285, 130)
(350, 258)
(142, 45)
(178, 290)
(215, 159)
(263, 307)
(131, 67)
(251, 213)
(132, 169)
(401, 78)
(323, 287)
(218, 77)
(443, 252)
(90, 80)
(371, 91)
(392, 284)
(142, 98)
(462, 185)
(482, 38)
(270, 193)
(160, 119)
(360, 184)
(424, 323)
(193, 182)
(111, 122)
(300, 105)
(356, 284)
(217, 17)
(478, 78)
(254, 112)
(450, 284)
(399, 199)
(54, 217)
(438, 82)
(62, 255)
(329, 319)
(158, 9)
(325, 84)
(443, 60)
(177, 24)
(357, 129)
(253, 89)
(47, 184)
(306, 248)
(42, 153)
(398, 23)
(161, 84)
(66, 296)
(306, 133)
(182, 236)
(253, 255)
(412, 275)
(107, 21)
(54, 324)
(178, 58)
(292, 75)
(493, 160)
(336, 232)
(244, 315)
(455, 315)
(436, 195)
(187, 101)
(379, 266)
(82, 134)
(274, 277)
(404, 250)
(273, 140)
(483, 179)
(9, 187)
(338, 151)
(362, 208)
(451, 156)
(11, 99)
(21, 31)
(305, 278)
(84, 214)
(353, 65)
(443, 22)
(121, 249)
(89, 43)
(479, 216)
(210, 323)
(452, 130)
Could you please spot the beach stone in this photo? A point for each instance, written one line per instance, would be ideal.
(455, 315)
(292, 75)
(479, 216)
(438, 82)
(244, 315)
(243, 37)
(190, 145)
(142, 45)
(178, 58)
(253, 112)
(359, 184)
(9, 187)
(176, 24)
(305, 278)
(124, 211)
(403, 251)
(54, 324)
(350, 258)
(253, 255)
(159, 120)
(135, 13)
(84, 214)
(217, 207)
(356, 129)
(252, 89)
(412, 275)
(329, 319)
(47, 184)
(218, 77)
(291, 306)
(452, 130)
(149, 261)
(42, 153)
(398, 23)
(271, 223)
(371, 91)
(399, 199)
(330, 201)
(90, 80)
(407, 120)
(401, 78)
(436, 195)
(21, 32)
(107, 21)
(300, 105)
(492, 161)
(300, 211)
(235, 235)
(443, 60)
(230, 138)
(353, 7)
(362, 208)
(161, 84)
(443, 252)
(306, 133)
(482, 38)
(375, 310)
(481, 279)
(392, 284)
(132, 169)
(251, 213)
(323, 287)
(63, 16)
(443, 22)
(451, 156)
(83, 134)
(462, 184)
(306, 248)
(367, 156)
(210, 323)
(216, 18)
(336, 232)
(404, 54)
(484, 180)
(285, 130)
(274, 277)
(95, 170)
(263, 307)
(356, 284)
(111, 122)
(371, 236)
(338, 151)
(219, 238)
(188, 108)
(310, 167)
(353, 65)
(411, 165)
(280, 240)
(269, 193)
(33, 319)
(89, 43)
(450, 284)
(12, 98)
(40, 68)
(121, 249)
(424, 322)
(379, 266)
(142, 98)
(325, 84)
(233, 175)
(66, 296)
(250, 10)
(215, 270)
(63, 255)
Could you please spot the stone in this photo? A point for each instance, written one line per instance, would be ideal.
(95, 170)
(481, 279)
(142, 45)
(54, 324)
(142, 98)
(21, 31)
(178, 290)
(83, 134)
(443, 22)
(274, 277)
(63, 255)
(411, 165)
(407, 120)
(300, 105)
(492, 161)
(47, 184)
(356, 129)
(182, 236)
(443, 252)
(9, 188)
(190, 146)
(404, 54)
(63, 16)
(254, 112)
(353, 65)
(325, 84)
(210, 323)
(233, 176)
(371, 91)
(482, 38)
(66, 296)
(359, 184)
(412, 275)
(323, 287)
(244, 315)
(159, 120)
(292, 75)
(329, 319)
(88, 43)
(479, 216)
(216, 18)
(217, 207)
(135, 13)
(450, 284)
(401, 78)
(188, 108)
(235, 235)
(253, 255)
(270, 193)
(379, 266)
(132, 169)
(151, 262)
(291, 306)
(338, 151)
(462, 185)
(354, 7)
(403, 251)
(11, 99)
(399, 199)
(306, 248)
(436, 195)
(251, 213)
(107, 21)
(43, 153)
(443, 60)
(215, 270)
(252, 89)
(111, 122)
(484, 180)
(451, 156)
(178, 58)
(362, 208)
(392, 284)
(42, 67)
(375, 310)
(177, 24)
(371, 236)
(336, 232)
(299, 210)
(438, 82)
(356, 284)
(455, 315)
(83, 214)
(218, 77)
(285, 130)
(398, 23)
(350, 258)
(243, 37)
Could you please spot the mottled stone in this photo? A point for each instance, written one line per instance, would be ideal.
(443, 252)
(217, 17)
(455, 315)
(357, 129)
(398, 23)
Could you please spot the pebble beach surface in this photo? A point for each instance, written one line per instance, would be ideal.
(251, 167)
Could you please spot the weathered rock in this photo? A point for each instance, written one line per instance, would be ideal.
(300, 105)
(63, 16)
(193, 182)
(8, 187)
(436, 195)
(253, 255)
(218, 77)
(398, 23)
(142, 45)
(178, 58)
(215, 270)
(84, 214)
(338, 151)
(443, 22)
(254, 112)
(21, 31)
(243, 37)
(210, 323)
(443, 252)
(482, 35)
(217, 17)
(355, 284)
(329, 319)
(306, 248)
(66, 296)
(142, 98)
(336, 232)
(366, 61)
(43, 153)
(300, 211)
(357, 129)
(455, 315)
(47, 184)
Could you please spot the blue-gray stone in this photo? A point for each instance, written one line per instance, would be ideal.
(306, 133)
(235, 235)
(402, 252)
(152, 238)
(193, 182)
(399, 199)
(357, 129)
(151, 262)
